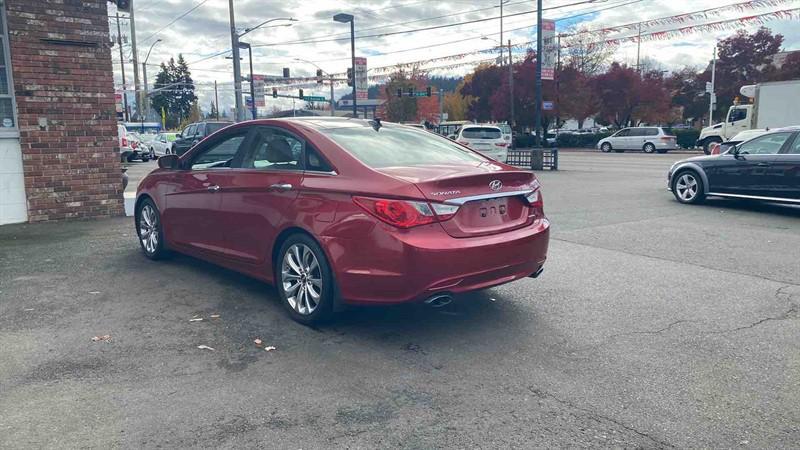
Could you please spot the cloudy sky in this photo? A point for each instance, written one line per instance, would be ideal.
(390, 32)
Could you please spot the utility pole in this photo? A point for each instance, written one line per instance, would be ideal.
(135, 63)
(537, 119)
(333, 103)
(501, 31)
(237, 69)
(510, 86)
(353, 64)
(216, 98)
(441, 105)
(712, 96)
(558, 81)
(122, 64)
(146, 97)
(638, 48)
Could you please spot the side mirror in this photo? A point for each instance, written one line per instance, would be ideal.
(169, 162)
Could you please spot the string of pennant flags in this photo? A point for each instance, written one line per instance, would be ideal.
(382, 72)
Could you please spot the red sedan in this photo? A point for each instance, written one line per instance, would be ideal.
(337, 211)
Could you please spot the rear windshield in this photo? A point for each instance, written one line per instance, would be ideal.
(482, 133)
(392, 146)
(212, 127)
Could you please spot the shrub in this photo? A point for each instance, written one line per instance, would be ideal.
(686, 138)
(584, 140)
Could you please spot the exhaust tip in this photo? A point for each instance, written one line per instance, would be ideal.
(538, 272)
(439, 300)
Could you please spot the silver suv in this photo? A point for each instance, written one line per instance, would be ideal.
(646, 139)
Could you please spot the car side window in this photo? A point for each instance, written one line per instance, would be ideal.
(188, 132)
(764, 145)
(273, 149)
(651, 132)
(636, 132)
(794, 149)
(315, 161)
(219, 154)
(737, 114)
(199, 131)
(623, 133)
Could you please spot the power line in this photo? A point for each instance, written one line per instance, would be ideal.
(203, 2)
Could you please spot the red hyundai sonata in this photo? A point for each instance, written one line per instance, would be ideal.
(337, 211)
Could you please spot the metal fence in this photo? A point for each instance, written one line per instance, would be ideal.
(534, 158)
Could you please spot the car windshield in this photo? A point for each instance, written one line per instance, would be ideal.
(393, 146)
(482, 133)
(212, 127)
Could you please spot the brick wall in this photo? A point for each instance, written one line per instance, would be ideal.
(64, 87)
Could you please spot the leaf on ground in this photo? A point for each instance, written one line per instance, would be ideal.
(258, 342)
(269, 349)
(104, 338)
(205, 347)
(196, 319)
(214, 316)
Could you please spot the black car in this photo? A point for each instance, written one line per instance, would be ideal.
(195, 132)
(766, 167)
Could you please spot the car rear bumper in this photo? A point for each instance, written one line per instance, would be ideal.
(391, 266)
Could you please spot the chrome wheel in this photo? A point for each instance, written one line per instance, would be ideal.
(606, 147)
(686, 187)
(148, 228)
(301, 277)
(649, 148)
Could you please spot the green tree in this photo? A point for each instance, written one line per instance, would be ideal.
(212, 111)
(174, 91)
(403, 109)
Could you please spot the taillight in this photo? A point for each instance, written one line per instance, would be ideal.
(668, 138)
(714, 147)
(124, 142)
(405, 213)
(536, 202)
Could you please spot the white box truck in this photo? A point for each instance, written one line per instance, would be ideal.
(772, 105)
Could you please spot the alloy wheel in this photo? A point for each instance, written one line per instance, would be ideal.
(148, 229)
(686, 186)
(301, 277)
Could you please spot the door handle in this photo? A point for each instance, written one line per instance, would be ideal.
(213, 188)
(762, 164)
(281, 187)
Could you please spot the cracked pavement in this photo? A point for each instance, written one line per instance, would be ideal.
(654, 325)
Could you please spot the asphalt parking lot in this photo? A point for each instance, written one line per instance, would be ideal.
(654, 324)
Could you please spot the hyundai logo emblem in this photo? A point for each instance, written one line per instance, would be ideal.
(495, 185)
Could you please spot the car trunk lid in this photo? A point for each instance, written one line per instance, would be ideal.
(491, 200)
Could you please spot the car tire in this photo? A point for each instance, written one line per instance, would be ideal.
(605, 148)
(149, 230)
(302, 273)
(145, 157)
(649, 148)
(687, 187)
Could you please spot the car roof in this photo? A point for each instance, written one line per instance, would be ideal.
(480, 126)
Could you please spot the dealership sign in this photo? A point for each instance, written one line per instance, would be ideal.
(549, 50)
(362, 83)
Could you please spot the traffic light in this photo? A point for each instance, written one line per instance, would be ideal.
(411, 92)
(350, 77)
(274, 92)
(300, 94)
(428, 91)
(123, 5)
(285, 72)
(319, 76)
(399, 93)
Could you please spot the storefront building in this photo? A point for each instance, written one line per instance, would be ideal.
(58, 136)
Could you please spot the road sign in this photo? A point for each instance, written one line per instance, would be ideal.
(549, 50)
(708, 87)
(361, 80)
(313, 98)
(548, 106)
(419, 94)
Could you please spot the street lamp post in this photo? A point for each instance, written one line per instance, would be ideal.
(237, 68)
(253, 108)
(537, 119)
(144, 78)
(344, 18)
(329, 75)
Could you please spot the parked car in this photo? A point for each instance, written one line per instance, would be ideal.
(487, 139)
(646, 139)
(338, 211)
(163, 144)
(137, 149)
(764, 167)
(196, 132)
(125, 150)
(717, 148)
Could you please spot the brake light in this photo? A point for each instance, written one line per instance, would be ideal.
(536, 203)
(668, 138)
(124, 142)
(405, 213)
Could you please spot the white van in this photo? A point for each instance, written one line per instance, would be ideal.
(486, 139)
